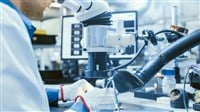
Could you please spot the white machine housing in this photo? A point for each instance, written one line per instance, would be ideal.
(111, 39)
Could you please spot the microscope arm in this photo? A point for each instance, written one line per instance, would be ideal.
(126, 81)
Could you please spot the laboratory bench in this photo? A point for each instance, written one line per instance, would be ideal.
(128, 101)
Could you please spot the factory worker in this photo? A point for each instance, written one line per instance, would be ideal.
(21, 87)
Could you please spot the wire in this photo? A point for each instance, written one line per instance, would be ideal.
(128, 63)
(170, 35)
(169, 31)
(184, 99)
(109, 80)
(84, 102)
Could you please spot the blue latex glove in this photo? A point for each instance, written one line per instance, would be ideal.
(79, 106)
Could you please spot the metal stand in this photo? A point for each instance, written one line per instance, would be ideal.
(116, 101)
(96, 65)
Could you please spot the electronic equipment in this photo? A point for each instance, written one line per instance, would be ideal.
(73, 35)
(144, 74)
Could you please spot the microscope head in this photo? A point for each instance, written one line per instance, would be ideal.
(87, 9)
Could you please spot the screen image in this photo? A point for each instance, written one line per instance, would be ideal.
(73, 33)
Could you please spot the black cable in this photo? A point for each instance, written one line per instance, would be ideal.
(170, 35)
(169, 31)
(184, 99)
(128, 63)
(124, 65)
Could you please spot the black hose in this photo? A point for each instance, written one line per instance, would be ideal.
(175, 49)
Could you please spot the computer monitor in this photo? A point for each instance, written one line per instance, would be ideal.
(73, 32)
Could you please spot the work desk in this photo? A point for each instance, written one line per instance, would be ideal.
(139, 104)
(129, 98)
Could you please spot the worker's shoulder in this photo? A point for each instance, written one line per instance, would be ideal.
(10, 15)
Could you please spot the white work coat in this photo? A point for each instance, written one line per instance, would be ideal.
(21, 87)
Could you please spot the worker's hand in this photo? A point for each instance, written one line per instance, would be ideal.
(98, 97)
(80, 87)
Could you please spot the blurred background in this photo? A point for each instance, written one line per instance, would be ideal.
(154, 15)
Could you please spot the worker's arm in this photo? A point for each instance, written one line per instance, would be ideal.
(52, 95)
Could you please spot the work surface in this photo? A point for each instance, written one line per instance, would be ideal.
(101, 102)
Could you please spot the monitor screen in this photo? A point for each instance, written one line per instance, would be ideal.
(73, 33)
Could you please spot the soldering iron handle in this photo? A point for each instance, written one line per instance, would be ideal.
(175, 49)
